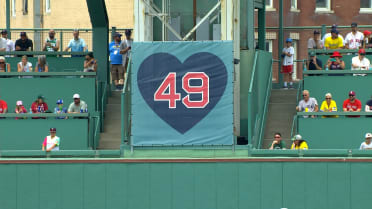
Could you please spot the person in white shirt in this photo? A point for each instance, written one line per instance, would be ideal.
(353, 40)
(9, 43)
(51, 142)
(287, 68)
(360, 62)
(366, 144)
(334, 26)
(2, 44)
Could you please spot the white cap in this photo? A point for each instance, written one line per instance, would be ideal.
(76, 96)
(297, 137)
(368, 135)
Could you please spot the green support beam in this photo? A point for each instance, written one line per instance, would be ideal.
(8, 18)
(261, 29)
(250, 27)
(100, 25)
(280, 40)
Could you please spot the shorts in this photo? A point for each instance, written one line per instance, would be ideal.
(287, 69)
(117, 72)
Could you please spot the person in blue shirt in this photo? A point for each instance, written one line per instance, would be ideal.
(116, 67)
(76, 44)
(60, 109)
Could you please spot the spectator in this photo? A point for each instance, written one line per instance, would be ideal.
(41, 65)
(315, 42)
(328, 105)
(9, 43)
(24, 66)
(367, 42)
(78, 106)
(60, 109)
(299, 143)
(2, 44)
(367, 144)
(39, 106)
(117, 69)
(334, 41)
(24, 44)
(334, 26)
(278, 143)
(368, 107)
(90, 64)
(3, 106)
(51, 142)
(76, 44)
(4, 67)
(51, 43)
(314, 63)
(19, 109)
(352, 104)
(125, 47)
(307, 104)
(287, 68)
(360, 62)
(335, 62)
(353, 40)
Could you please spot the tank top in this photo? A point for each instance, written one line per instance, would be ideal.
(53, 43)
(335, 66)
(4, 69)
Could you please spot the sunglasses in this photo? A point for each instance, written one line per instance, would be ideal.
(328, 98)
(351, 95)
(305, 95)
(2, 62)
(276, 137)
(362, 54)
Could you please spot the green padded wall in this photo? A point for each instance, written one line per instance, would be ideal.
(215, 185)
(334, 133)
(28, 134)
(55, 64)
(27, 90)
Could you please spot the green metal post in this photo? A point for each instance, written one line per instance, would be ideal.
(8, 19)
(261, 28)
(324, 30)
(250, 25)
(280, 40)
(113, 31)
(61, 40)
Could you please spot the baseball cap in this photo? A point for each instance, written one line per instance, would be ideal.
(52, 129)
(362, 51)
(316, 32)
(352, 93)
(288, 40)
(4, 32)
(40, 96)
(354, 24)
(76, 96)
(297, 137)
(19, 102)
(312, 54)
(367, 33)
(368, 135)
(2, 58)
(334, 30)
(60, 101)
(334, 26)
(117, 35)
(23, 34)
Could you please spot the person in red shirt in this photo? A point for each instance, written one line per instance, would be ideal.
(3, 106)
(352, 104)
(39, 106)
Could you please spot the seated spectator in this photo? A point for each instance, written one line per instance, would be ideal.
(90, 64)
(78, 106)
(76, 44)
(367, 42)
(20, 109)
(39, 106)
(368, 107)
(360, 62)
(9, 43)
(278, 143)
(2, 44)
(328, 105)
(4, 67)
(353, 40)
(366, 144)
(314, 63)
(24, 44)
(307, 104)
(24, 65)
(51, 43)
(352, 104)
(60, 109)
(335, 63)
(51, 142)
(315, 42)
(299, 143)
(41, 65)
(3, 106)
(334, 41)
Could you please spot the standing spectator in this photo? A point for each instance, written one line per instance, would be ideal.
(334, 41)
(334, 26)
(307, 104)
(315, 42)
(78, 106)
(90, 64)
(51, 43)
(352, 104)
(299, 143)
(3, 106)
(314, 63)
(117, 69)
(125, 47)
(360, 62)
(60, 109)
(367, 42)
(287, 68)
(4, 67)
(9, 43)
(328, 105)
(278, 143)
(24, 44)
(51, 142)
(368, 107)
(335, 63)
(41, 65)
(353, 40)
(366, 144)
(76, 44)
(39, 106)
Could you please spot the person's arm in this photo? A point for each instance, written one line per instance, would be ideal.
(86, 63)
(51, 148)
(46, 68)
(329, 63)
(367, 109)
(95, 66)
(353, 62)
(318, 67)
(69, 110)
(316, 108)
(8, 67)
(30, 68)
(342, 64)
(45, 45)
(67, 48)
(272, 144)
(323, 107)
(19, 67)
(55, 48)
(344, 107)
(307, 64)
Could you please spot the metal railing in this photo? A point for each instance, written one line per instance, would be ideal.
(126, 111)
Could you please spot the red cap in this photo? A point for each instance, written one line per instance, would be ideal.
(352, 93)
(336, 54)
(367, 33)
(362, 51)
(52, 129)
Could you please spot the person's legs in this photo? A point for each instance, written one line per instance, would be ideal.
(114, 75)
(121, 75)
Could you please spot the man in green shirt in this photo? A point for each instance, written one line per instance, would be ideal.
(51, 43)
(278, 143)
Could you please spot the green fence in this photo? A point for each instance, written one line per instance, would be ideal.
(126, 110)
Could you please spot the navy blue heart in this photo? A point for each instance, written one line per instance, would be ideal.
(156, 67)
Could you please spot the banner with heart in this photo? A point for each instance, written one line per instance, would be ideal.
(182, 93)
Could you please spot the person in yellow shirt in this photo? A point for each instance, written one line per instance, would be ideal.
(299, 143)
(329, 105)
(334, 41)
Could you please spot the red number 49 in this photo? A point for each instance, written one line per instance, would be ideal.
(172, 96)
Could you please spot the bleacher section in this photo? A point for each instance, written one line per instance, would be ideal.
(55, 64)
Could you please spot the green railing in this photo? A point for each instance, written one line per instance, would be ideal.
(311, 153)
(60, 154)
(126, 110)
